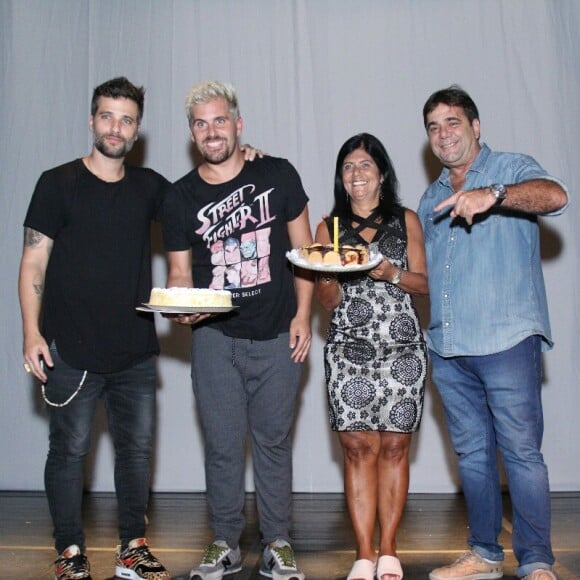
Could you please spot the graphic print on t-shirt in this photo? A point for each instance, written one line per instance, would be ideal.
(236, 233)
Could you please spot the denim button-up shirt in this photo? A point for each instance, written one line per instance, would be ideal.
(485, 281)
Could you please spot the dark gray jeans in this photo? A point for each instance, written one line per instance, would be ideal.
(245, 387)
(129, 398)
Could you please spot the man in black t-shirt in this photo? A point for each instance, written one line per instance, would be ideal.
(85, 266)
(227, 225)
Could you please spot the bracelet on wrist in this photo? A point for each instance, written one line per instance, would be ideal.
(397, 277)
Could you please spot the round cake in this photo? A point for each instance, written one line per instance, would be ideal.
(190, 297)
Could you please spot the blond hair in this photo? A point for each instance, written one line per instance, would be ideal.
(208, 91)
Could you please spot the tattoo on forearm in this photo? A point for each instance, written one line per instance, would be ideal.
(32, 237)
(38, 289)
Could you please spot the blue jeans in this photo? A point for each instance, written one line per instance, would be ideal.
(129, 398)
(494, 402)
(246, 389)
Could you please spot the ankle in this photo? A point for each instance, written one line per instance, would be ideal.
(366, 555)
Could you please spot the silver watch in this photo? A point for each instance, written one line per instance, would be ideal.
(499, 191)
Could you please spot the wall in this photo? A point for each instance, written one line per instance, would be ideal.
(309, 75)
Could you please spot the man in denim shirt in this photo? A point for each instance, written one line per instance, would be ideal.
(489, 324)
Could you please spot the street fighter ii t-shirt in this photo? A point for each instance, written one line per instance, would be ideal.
(238, 235)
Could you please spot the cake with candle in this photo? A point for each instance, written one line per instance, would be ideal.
(190, 297)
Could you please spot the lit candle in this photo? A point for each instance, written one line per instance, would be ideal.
(335, 237)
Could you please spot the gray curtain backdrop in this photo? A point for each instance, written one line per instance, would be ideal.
(310, 73)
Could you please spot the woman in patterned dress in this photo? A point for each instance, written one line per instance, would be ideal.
(375, 354)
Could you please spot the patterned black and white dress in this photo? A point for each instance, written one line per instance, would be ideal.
(375, 356)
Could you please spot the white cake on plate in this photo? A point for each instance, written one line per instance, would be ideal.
(190, 297)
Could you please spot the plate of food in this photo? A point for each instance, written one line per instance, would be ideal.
(342, 260)
(179, 300)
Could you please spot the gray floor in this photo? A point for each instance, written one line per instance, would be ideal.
(431, 534)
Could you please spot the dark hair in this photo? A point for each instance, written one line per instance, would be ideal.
(118, 88)
(454, 96)
(389, 201)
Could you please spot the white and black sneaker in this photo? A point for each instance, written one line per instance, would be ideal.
(279, 563)
(219, 560)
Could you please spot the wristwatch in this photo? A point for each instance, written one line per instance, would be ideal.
(499, 191)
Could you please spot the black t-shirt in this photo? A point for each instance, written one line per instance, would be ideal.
(100, 265)
(238, 235)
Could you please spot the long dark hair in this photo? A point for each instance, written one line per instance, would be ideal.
(389, 202)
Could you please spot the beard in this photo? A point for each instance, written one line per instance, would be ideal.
(216, 157)
(113, 152)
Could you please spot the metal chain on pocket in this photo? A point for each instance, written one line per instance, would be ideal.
(49, 402)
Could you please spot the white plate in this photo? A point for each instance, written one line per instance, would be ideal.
(374, 260)
(185, 309)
